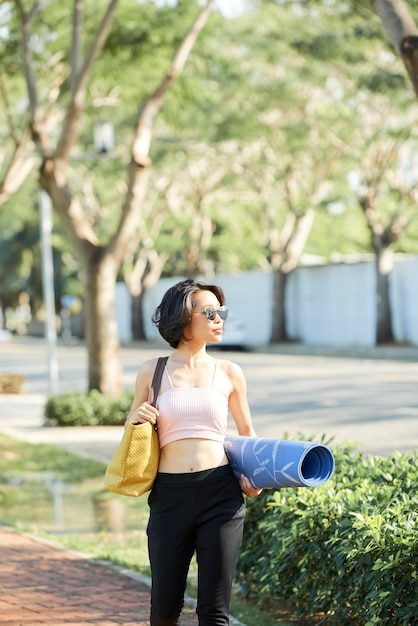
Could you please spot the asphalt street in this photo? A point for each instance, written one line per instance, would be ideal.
(366, 396)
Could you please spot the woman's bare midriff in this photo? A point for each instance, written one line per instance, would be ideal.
(191, 455)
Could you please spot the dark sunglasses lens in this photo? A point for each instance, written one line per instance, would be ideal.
(223, 312)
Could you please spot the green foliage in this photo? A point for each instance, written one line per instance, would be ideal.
(348, 549)
(309, 63)
(20, 266)
(328, 234)
(87, 409)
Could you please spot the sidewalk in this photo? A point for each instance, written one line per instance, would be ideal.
(42, 584)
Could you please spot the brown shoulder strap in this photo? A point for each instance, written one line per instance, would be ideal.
(156, 380)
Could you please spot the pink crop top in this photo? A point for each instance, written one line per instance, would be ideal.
(192, 413)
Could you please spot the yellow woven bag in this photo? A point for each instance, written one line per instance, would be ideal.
(134, 466)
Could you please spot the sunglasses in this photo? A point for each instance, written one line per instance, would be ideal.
(211, 313)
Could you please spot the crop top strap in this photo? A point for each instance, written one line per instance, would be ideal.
(168, 376)
(214, 372)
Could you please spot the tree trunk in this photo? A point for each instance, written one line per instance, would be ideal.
(105, 367)
(402, 33)
(138, 328)
(278, 332)
(384, 265)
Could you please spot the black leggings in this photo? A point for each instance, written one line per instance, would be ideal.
(202, 512)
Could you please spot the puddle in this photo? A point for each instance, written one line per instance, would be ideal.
(42, 501)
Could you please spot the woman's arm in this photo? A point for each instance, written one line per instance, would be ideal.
(141, 409)
(238, 402)
(240, 411)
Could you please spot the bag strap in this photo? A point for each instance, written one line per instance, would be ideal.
(156, 380)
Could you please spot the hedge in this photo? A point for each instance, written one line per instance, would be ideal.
(346, 551)
(87, 409)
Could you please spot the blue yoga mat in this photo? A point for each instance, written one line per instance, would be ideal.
(276, 463)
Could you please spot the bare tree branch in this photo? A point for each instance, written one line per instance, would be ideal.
(154, 103)
(297, 242)
(138, 170)
(397, 21)
(76, 55)
(76, 224)
(9, 115)
(402, 33)
(72, 123)
(31, 83)
(20, 166)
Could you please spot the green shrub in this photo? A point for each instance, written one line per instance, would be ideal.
(347, 550)
(87, 409)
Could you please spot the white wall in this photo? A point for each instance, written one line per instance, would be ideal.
(123, 312)
(250, 297)
(329, 305)
(404, 298)
(332, 304)
(151, 300)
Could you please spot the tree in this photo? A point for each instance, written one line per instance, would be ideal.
(289, 188)
(143, 263)
(100, 261)
(387, 195)
(402, 33)
(370, 81)
(185, 207)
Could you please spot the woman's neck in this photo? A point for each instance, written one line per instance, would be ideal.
(190, 353)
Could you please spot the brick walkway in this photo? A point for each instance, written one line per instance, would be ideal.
(44, 585)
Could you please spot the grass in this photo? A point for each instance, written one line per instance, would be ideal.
(61, 497)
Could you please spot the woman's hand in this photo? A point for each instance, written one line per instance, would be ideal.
(146, 412)
(247, 488)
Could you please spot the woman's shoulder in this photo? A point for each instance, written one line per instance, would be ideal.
(147, 367)
(234, 375)
(230, 368)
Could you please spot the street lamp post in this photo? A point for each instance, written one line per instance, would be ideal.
(48, 288)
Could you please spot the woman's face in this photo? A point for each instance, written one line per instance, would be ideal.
(200, 326)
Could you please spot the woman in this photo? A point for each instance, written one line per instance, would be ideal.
(196, 504)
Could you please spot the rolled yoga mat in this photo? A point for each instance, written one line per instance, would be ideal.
(276, 463)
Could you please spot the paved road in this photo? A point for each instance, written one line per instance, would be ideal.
(366, 396)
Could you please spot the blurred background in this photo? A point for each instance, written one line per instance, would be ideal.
(268, 146)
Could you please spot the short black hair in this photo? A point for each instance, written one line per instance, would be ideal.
(174, 313)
